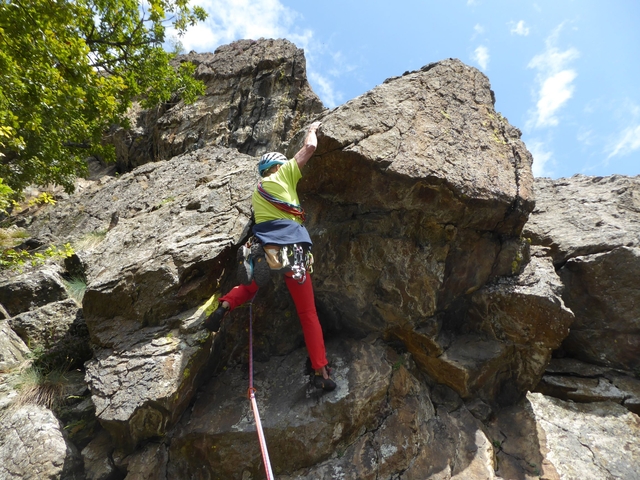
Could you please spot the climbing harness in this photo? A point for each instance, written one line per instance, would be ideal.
(295, 258)
(289, 208)
(251, 393)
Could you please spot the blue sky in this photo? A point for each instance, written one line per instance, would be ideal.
(566, 72)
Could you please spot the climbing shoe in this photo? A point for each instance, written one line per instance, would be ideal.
(245, 269)
(261, 269)
(212, 323)
(325, 384)
(318, 380)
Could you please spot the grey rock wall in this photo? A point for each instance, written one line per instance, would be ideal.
(444, 288)
(591, 226)
(33, 446)
(257, 96)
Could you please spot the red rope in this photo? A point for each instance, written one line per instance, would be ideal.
(289, 208)
(251, 393)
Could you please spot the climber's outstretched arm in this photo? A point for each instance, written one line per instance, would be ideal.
(310, 144)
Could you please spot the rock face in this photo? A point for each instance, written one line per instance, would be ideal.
(570, 379)
(164, 257)
(416, 199)
(27, 291)
(543, 437)
(442, 300)
(291, 411)
(581, 215)
(257, 96)
(32, 446)
(585, 440)
(592, 229)
(13, 351)
(431, 193)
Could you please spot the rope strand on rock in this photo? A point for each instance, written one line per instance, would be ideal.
(252, 397)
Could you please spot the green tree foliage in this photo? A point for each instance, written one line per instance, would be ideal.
(69, 69)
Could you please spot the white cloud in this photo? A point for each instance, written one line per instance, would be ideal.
(481, 55)
(231, 20)
(479, 29)
(555, 81)
(554, 92)
(327, 92)
(519, 28)
(472, 2)
(627, 142)
(542, 158)
(337, 66)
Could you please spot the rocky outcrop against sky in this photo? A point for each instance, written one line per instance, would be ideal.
(444, 287)
(257, 96)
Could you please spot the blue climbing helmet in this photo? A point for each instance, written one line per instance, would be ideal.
(270, 159)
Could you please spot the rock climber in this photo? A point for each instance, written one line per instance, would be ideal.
(278, 229)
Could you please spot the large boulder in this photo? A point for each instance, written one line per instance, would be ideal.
(543, 437)
(591, 226)
(33, 446)
(26, 291)
(513, 325)
(416, 189)
(602, 290)
(257, 96)
(416, 199)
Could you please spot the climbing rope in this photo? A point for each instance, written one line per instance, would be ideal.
(289, 208)
(252, 397)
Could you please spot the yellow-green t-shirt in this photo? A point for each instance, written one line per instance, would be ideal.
(282, 185)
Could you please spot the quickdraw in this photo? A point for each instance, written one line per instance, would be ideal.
(299, 264)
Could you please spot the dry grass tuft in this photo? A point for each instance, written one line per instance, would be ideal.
(35, 388)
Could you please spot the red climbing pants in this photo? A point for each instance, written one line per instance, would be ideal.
(302, 295)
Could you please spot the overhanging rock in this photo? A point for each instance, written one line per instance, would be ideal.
(416, 188)
(417, 197)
